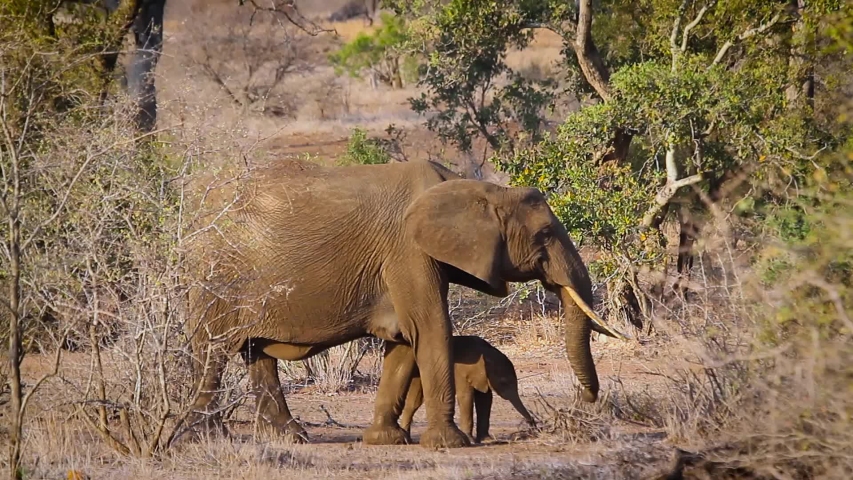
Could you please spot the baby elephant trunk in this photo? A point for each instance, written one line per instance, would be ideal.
(516, 402)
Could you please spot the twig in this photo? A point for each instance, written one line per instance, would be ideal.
(43, 378)
(176, 431)
(330, 422)
(61, 206)
(295, 18)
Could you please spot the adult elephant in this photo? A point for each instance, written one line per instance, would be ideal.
(311, 257)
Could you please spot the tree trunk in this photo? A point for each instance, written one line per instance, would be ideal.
(148, 33)
(15, 346)
(596, 74)
(687, 234)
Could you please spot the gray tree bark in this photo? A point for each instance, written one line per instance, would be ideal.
(148, 34)
(147, 28)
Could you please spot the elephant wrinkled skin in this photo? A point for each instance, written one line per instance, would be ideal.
(479, 370)
(310, 257)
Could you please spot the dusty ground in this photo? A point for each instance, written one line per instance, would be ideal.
(336, 450)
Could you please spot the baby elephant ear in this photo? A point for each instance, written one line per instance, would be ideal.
(455, 222)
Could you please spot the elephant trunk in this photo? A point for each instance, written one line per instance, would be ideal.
(578, 328)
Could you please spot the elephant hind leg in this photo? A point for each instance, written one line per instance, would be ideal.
(483, 404)
(273, 415)
(205, 417)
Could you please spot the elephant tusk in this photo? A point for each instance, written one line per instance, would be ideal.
(602, 327)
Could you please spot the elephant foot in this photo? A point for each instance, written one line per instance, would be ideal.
(444, 436)
(386, 435)
(288, 432)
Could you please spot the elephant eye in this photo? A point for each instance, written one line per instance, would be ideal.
(544, 234)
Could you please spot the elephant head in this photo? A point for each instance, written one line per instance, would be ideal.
(485, 235)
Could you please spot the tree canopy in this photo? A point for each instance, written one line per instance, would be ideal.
(683, 102)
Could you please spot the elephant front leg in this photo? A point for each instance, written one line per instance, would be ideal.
(273, 416)
(433, 354)
(397, 369)
(423, 321)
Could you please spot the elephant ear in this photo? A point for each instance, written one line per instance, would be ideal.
(455, 223)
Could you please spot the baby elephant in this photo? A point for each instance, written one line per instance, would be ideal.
(479, 369)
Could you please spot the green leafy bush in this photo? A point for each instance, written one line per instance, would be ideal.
(692, 110)
(381, 53)
(362, 150)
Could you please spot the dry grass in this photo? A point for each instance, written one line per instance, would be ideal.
(704, 392)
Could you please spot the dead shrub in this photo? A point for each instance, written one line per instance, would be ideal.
(334, 370)
(573, 420)
(329, 97)
(250, 57)
(758, 397)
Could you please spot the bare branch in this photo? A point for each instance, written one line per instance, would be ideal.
(670, 165)
(214, 75)
(43, 378)
(693, 24)
(566, 30)
(743, 36)
(154, 441)
(292, 14)
(673, 184)
(676, 26)
(105, 435)
(685, 35)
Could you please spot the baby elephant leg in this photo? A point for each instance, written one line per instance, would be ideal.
(483, 403)
(414, 400)
(465, 395)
